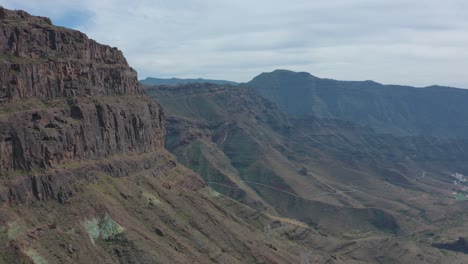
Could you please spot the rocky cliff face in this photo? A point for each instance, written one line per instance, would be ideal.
(39, 60)
(65, 98)
(81, 129)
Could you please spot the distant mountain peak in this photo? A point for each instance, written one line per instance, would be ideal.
(289, 72)
(395, 109)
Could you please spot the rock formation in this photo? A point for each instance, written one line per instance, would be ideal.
(39, 60)
(66, 98)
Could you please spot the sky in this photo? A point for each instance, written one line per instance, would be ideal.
(410, 42)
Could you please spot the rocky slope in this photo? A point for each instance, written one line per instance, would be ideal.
(399, 110)
(42, 61)
(84, 176)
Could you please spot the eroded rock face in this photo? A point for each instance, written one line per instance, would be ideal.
(62, 183)
(82, 129)
(65, 99)
(39, 60)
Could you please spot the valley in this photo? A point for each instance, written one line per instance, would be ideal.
(333, 175)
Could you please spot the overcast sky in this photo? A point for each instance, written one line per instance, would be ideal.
(393, 41)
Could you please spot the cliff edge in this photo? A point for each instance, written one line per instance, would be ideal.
(65, 98)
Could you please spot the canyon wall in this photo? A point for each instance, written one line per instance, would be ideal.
(65, 99)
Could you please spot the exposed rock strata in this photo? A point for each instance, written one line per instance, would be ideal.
(62, 183)
(38, 60)
(65, 99)
(83, 129)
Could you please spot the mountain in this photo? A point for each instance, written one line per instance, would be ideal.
(177, 81)
(85, 177)
(400, 110)
(340, 178)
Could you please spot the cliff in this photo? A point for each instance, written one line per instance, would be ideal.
(65, 99)
(39, 60)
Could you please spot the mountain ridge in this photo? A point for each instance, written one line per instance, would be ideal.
(304, 73)
(399, 110)
(178, 81)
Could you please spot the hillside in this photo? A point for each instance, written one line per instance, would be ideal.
(400, 110)
(335, 176)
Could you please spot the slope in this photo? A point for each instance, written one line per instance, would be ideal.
(337, 177)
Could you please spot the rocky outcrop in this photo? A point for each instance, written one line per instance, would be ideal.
(39, 60)
(62, 183)
(65, 99)
(82, 129)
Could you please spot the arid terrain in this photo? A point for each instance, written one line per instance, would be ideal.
(96, 168)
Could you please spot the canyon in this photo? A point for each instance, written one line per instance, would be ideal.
(98, 168)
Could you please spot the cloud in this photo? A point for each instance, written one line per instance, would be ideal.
(399, 41)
